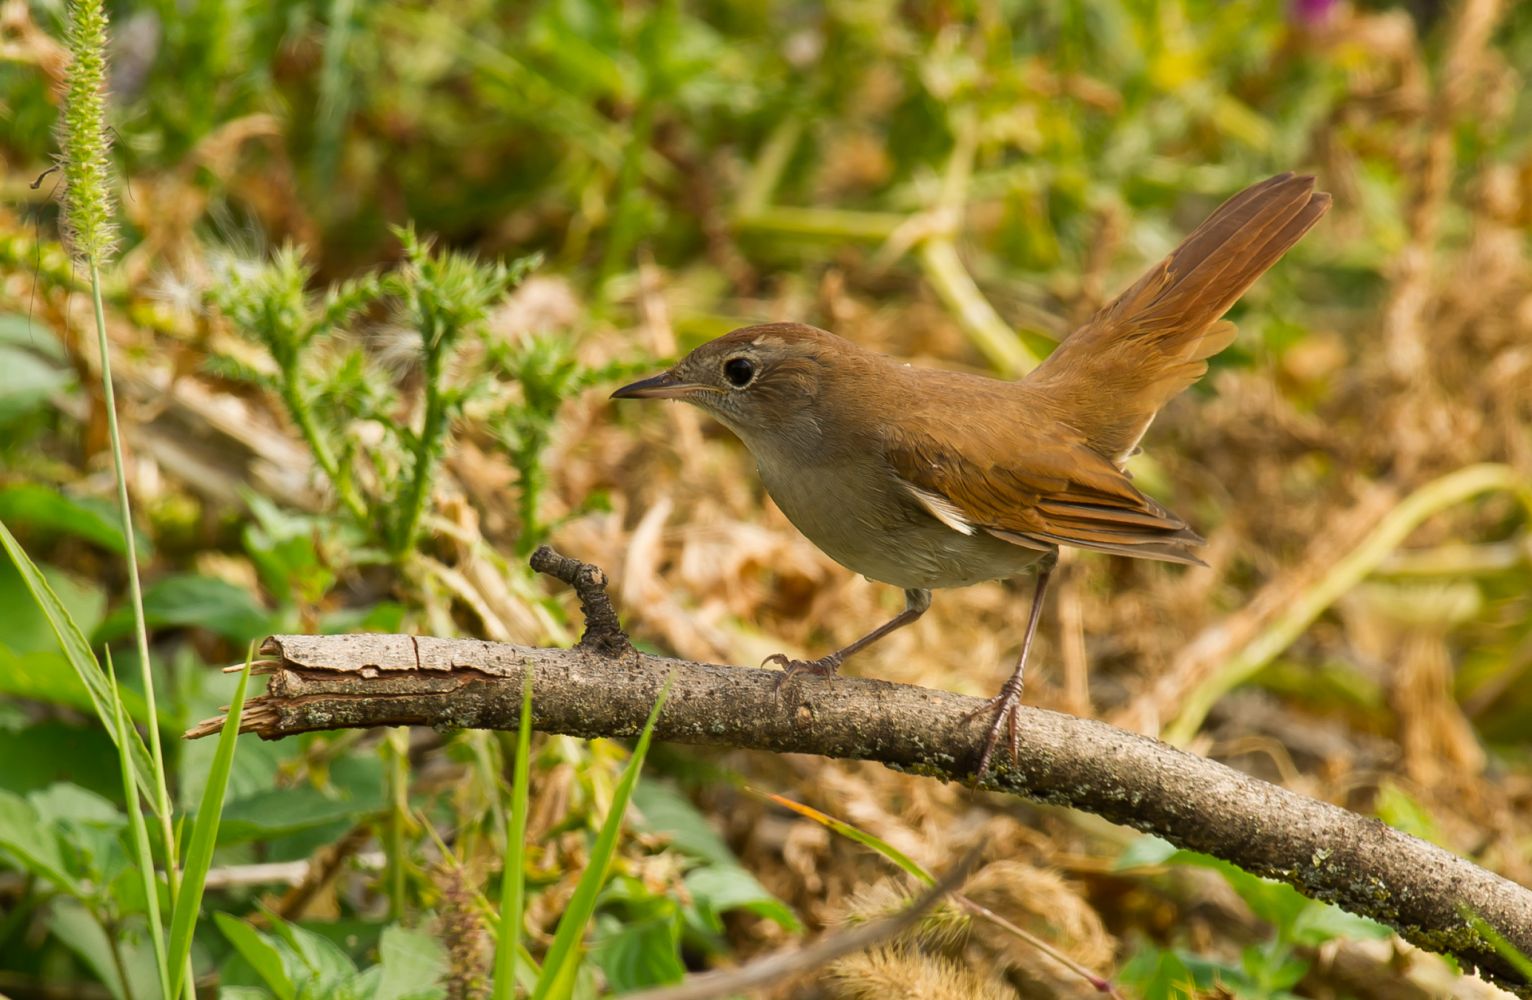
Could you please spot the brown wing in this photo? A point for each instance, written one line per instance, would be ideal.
(1035, 491)
(1111, 376)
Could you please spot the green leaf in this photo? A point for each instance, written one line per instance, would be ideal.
(563, 956)
(412, 961)
(298, 964)
(64, 801)
(356, 790)
(326, 966)
(17, 330)
(46, 678)
(86, 668)
(1505, 949)
(24, 836)
(1158, 974)
(27, 382)
(639, 953)
(27, 627)
(1273, 968)
(258, 950)
(32, 664)
(384, 616)
(1145, 851)
(43, 508)
(43, 753)
(1402, 811)
(188, 600)
(82, 932)
(721, 888)
(1296, 918)
(663, 810)
(1321, 922)
(199, 852)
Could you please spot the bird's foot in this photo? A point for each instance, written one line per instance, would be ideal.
(1006, 706)
(825, 666)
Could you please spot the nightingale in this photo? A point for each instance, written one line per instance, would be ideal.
(924, 478)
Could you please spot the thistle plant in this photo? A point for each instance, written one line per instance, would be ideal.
(332, 386)
(446, 296)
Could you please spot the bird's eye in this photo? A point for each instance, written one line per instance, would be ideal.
(739, 371)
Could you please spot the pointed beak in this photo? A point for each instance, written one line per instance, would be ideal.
(662, 386)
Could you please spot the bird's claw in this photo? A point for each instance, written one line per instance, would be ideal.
(825, 666)
(1006, 706)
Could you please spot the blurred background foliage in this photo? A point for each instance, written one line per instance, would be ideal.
(353, 400)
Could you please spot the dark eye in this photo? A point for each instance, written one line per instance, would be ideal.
(739, 371)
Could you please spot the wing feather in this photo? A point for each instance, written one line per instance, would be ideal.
(1037, 493)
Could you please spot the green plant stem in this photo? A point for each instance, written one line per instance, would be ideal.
(114, 947)
(533, 479)
(761, 182)
(334, 91)
(624, 217)
(1392, 530)
(841, 223)
(513, 875)
(432, 427)
(303, 416)
(143, 853)
(989, 333)
(525, 87)
(397, 748)
(161, 791)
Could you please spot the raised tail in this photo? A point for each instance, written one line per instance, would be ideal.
(1109, 377)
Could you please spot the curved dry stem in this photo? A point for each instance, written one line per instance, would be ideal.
(1394, 527)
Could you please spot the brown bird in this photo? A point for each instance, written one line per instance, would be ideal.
(922, 478)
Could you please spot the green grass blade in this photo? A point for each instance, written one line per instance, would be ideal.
(78, 652)
(563, 956)
(142, 854)
(850, 832)
(512, 878)
(199, 852)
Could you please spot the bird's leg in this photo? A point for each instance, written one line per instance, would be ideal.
(1008, 700)
(915, 604)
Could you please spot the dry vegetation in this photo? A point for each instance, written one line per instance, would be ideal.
(1393, 349)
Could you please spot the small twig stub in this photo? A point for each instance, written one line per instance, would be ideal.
(603, 630)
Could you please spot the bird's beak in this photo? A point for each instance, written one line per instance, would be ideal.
(665, 385)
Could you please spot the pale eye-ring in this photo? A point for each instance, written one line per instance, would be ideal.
(739, 371)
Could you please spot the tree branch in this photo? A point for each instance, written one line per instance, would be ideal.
(604, 687)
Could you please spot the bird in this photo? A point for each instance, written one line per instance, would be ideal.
(927, 478)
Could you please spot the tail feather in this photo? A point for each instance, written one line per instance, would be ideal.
(1112, 375)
